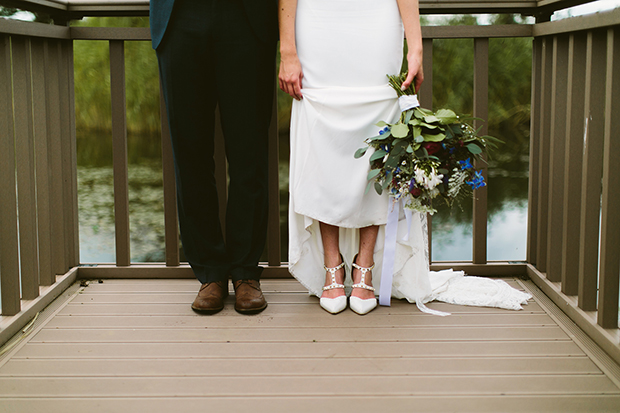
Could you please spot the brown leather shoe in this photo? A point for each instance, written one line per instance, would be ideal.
(249, 298)
(210, 298)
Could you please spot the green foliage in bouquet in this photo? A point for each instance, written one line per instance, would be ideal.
(426, 155)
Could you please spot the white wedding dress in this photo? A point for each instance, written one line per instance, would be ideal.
(346, 49)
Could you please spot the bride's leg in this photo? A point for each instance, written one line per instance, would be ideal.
(331, 248)
(368, 238)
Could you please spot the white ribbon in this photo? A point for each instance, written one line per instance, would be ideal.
(389, 252)
(408, 102)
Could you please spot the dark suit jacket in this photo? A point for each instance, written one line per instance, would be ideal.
(262, 15)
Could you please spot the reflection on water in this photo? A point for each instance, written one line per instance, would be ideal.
(146, 211)
(507, 205)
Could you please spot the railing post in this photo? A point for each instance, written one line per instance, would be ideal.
(573, 162)
(481, 110)
(543, 155)
(57, 201)
(24, 153)
(557, 136)
(592, 169)
(273, 235)
(610, 221)
(9, 255)
(119, 138)
(171, 223)
(533, 200)
(39, 99)
(426, 101)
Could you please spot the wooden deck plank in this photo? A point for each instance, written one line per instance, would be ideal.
(303, 350)
(471, 404)
(368, 334)
(315, 317)
(135, 345)
(83, 367)
(242, 386)
(194, 321)
(190, 285)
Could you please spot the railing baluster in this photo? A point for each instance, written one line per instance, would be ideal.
(426, 101)
(24, 154)
(72, 225)
(559, 85)
(592, 169)
(610, 222)
(59, 262)
(119, 138)
(573, 163)
(39, 98)
(535, 116)
(170, 193)
(9, 250)
(273, 247)
(481, 110)
(543, 155)
(68, 153)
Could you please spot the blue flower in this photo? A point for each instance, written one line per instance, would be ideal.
(477, 181)
(466, 164)
(385, 147)
(384, 130)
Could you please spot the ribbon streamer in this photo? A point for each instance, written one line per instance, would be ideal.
(407, 102)
(389, 252)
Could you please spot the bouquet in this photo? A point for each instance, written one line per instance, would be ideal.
(425, 155)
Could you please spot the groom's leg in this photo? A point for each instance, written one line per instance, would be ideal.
(246, 71)
(188, 81)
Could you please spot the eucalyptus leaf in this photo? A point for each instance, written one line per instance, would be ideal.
(400, 130)
(381, 124)
(474, 149)
(434, 138)
(378, 188)
(408, 116)
(368, 187)
(419, 139)
(446, 116)
(373, 173)
(431, 119)
(360, 152)
(380, 153)
(409, 149)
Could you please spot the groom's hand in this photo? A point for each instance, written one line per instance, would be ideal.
(290, 76)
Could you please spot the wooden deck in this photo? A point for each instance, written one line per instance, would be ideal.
(135, 345)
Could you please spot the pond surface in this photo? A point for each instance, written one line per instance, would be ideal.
(507, 205)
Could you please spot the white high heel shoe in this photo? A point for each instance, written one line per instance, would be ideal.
(359, 305)
(333, 305)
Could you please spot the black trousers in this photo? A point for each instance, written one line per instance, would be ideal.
(210, 56)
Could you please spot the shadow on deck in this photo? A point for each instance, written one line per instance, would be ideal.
(135, 345)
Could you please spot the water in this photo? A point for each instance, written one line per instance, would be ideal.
(507, 205)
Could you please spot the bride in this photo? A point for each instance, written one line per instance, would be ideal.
(335, 56)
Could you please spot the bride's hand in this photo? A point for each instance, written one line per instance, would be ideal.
(290, 76)
(415, 73)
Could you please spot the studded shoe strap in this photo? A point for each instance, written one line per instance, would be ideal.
(362, 283)
(332, 271)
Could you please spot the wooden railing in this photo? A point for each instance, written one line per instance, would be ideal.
(574, 88)
(574, 199)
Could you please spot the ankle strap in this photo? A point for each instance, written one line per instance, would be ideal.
(332, 271)
(362, 283)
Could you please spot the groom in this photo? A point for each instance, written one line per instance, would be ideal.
(219, 52)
